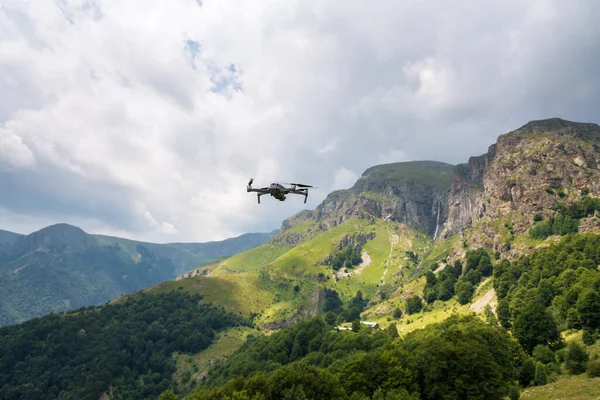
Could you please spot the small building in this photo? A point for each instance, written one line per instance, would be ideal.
(373, 325)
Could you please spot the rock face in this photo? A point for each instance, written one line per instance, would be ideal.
(415, 193)
(526, 172)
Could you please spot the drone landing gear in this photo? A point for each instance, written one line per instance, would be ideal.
(258, 196)
(305, 197)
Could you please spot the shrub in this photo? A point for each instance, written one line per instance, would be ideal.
(593, 369)
(576, 359)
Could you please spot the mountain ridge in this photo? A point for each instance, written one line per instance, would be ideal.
(62, 267)
(7, 236)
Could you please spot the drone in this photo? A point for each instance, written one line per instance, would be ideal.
(279, 191)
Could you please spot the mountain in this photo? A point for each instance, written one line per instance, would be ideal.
(493, 263)
(408, 218)
(414, 193)
(61, 267)
(497, 196)
(6, 236)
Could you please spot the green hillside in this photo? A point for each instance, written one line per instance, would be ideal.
(280, 282)
(61, 267)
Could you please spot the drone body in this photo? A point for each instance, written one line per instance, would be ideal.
(279, 191)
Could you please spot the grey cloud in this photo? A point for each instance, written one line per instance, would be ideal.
(328, 91)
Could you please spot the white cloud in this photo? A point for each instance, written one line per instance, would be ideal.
(148, 117)
(343, 179)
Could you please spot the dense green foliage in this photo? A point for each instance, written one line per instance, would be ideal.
(566, 219)
(336, 312)
(62, 267)
(557, 286)
(552, 290)
(459, 358)
(127, 346)
(453, 281)
(347, 257)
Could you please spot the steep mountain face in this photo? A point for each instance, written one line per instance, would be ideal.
(414, 193)
(62, 267)
(527, 172)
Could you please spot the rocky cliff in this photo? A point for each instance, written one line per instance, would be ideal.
(415, 193)
(526, 172)
(491, 198)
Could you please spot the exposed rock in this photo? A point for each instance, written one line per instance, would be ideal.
(316, 299)
(415, 193)
(526, 172)
(356, 240)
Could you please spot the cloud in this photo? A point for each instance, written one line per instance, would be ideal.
(147, 118)
(344, 179)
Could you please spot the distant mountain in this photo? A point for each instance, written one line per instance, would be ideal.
(6, 236)
(62, 267)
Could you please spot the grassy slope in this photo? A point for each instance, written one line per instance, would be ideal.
(578, 387)
(194, 367)
(262, 280)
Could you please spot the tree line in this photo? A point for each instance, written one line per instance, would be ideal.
(126, 346)
(458, 358)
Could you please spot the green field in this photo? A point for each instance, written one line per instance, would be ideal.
(578, 387)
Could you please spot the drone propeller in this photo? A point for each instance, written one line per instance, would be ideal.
(298, 185)
(251, 180)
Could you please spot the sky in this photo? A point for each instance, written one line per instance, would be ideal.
(146, 119)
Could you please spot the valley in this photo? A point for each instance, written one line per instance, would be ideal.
(61, 267)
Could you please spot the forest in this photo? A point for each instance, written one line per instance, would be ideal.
(126, 347)
(459, 358)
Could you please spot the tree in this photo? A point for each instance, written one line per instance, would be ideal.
(430, 294)
(430, 279)
(464, 290)
(356, 325)
(485, 266)
(168, 394)
(588, 336)
(541, 376)
(533, 326)
(527, 372)
(413, 305)
(463, 357)
(588, 307)
(576, 358)
(392, 330)
(445, 288)
(330, 318)
(543, 354)
(397, 313)
(503, 310)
